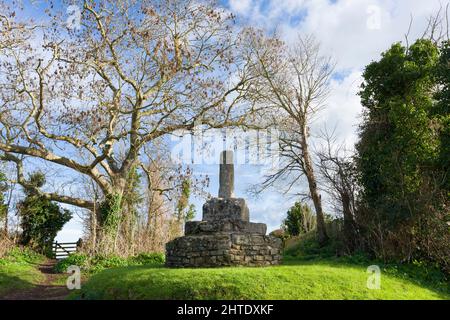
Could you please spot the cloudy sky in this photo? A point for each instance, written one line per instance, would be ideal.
(353, 32)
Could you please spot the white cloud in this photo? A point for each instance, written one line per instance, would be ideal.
(70, 234)
(343, 109)
(241, 7)
(269, 209)
(356, 32)
(353, 32)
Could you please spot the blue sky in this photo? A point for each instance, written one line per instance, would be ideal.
(353, 32)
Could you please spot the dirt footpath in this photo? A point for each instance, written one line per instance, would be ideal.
(47, 290)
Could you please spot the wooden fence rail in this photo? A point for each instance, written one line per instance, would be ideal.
(62, 250)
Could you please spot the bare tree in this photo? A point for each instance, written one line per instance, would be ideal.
(438, 27)
(338, 170)
(294, 83)
(13, 34)
(165, 183)
(133, 72)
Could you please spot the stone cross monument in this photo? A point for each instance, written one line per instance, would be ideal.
(226, 175)
(225, 236)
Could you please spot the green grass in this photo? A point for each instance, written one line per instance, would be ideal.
(315, 279)
(18, 270)
(308, 272)
(93, 264)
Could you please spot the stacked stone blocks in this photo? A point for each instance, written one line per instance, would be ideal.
(225, 236)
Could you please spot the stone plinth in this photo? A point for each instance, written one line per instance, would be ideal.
(225, 236)
(223, 249)
(207, 227)
(217, 209)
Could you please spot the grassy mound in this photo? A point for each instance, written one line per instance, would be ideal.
(314, 279)
(308, 272)
(18, 270)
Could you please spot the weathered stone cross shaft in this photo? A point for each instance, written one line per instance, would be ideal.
(226, 206)
(226, 175)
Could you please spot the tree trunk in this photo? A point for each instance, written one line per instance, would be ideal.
(94, 230)
(316, 198)
(350, 234)
(107, 215)
(8, 205)
(5, 229)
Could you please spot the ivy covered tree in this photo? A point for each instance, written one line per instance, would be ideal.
(402, 153)
(40, 218)
(184, 210)
(300, 219)
(442, 112)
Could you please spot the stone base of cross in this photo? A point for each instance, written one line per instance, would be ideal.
(225, 236)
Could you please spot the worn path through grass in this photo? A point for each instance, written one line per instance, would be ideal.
(33, 282)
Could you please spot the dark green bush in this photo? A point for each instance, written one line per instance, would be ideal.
(149, 258)
(300, 219)
(98, 263)
(308, 248)
(76, 259)
(40, 218)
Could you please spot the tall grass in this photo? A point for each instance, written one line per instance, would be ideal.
(6, 245)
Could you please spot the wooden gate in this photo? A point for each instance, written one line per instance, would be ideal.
(62, 250)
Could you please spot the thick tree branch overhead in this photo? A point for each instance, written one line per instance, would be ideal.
(131, 73)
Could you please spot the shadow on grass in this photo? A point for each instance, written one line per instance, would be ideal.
(10, 283)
